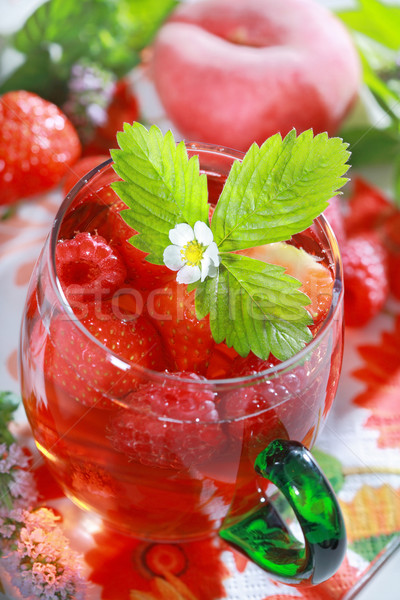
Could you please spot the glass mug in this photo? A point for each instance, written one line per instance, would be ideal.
(196, 475)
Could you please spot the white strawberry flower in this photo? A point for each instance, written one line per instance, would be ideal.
(193, 252)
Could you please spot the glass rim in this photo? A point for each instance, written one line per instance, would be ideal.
(163, 376)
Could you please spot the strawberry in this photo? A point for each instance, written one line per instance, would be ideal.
(365, 278)
(316, 279)
(88, 268)
(81, 168)
(60, 373)
(123, 108)
(171, 425)
(255, 402)
(262, 423)
(141, 273)
(367, 208)
(95, 213)
(38, 144)
(187, 340)
(281, 405)
(134, 340)
(220, 361)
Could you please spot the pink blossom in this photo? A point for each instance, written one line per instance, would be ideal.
(43, 565)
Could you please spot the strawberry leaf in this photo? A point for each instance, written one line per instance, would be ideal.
(278, 189)
(161, 186)
(255, 306)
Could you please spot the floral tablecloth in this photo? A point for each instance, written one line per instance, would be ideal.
(359, 449)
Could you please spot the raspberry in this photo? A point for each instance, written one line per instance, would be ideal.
(170, 426)
(88, 268)
(270, 408)
(365, 278)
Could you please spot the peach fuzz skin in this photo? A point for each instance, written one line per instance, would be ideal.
(236, 71)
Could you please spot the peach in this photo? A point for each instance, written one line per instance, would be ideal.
(236, 71)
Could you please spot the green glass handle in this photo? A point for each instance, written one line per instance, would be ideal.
(264, 537)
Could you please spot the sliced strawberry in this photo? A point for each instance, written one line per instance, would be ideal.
(365, 278)
(81, 168)
(170, 426)
(316, 279)
(367, 208)
(37, 145)
(134, 340)
(88, 268)
(187, 340)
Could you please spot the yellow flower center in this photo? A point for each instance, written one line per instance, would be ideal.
(193, 253)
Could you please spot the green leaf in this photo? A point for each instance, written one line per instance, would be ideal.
(62, 32)
(278, 189)
(255, 306)
(377, 20)
(387, 98)
(370, 146)
(161, 186)
(375, 28)
(397, 181)
(9, 403)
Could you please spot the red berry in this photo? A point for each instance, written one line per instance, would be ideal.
(38, 144)
(251, 365)
(62, 374)
(81, 168)
(173, 425)
(187, 340)
(367, 208)
(221, 361)
(122, 109)
(134, 340)
(391, 238)
(96, 213)
(88, 268)
(141, 273)
(365, 278)
(250, 417)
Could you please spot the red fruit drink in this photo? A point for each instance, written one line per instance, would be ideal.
(140, 415)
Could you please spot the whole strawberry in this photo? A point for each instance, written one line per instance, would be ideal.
(188, 342)
(37, 145)
(368, 208)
